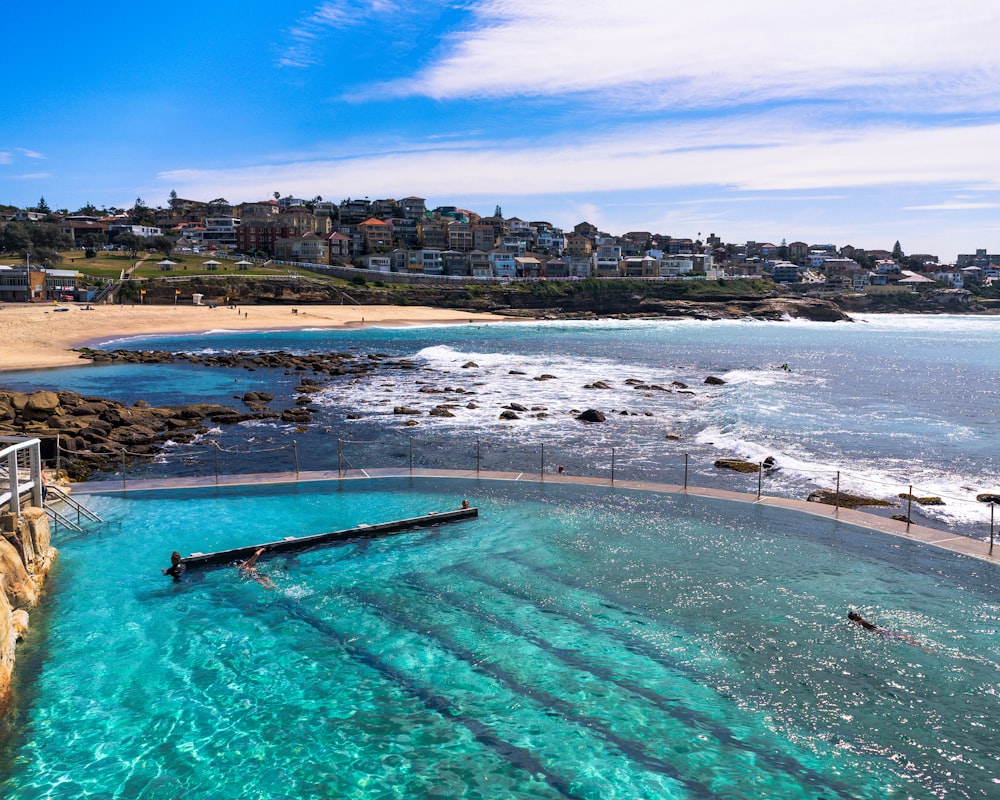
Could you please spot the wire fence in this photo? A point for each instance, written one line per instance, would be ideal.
(972, 515)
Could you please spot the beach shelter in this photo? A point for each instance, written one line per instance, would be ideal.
(244, 264)
(166, 265)
(212, 264)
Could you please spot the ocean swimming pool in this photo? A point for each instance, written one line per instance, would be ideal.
(570, 642)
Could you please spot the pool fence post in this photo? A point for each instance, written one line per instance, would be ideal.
(216, 453)
(340, 450)
(411, 455)
(541, 465)
(992, 506)
(836, 499)
(685, 472)
(909, 505)
(477, 456)
(295, 455)
(124, 484)
(58, 452)
(612, 465)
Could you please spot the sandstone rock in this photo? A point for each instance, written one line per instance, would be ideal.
(845, 500)
(711, 380)
(508, 414)
(16, 584)
(516, 407)
(40, 405)
(545, 377)
(736, 464)
(405, 410)
(988, 498)
(470, 365)
(591, 415)
(924, 501)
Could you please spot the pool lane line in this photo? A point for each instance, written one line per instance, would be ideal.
(516, 756)
(699, 723)
(540, 697)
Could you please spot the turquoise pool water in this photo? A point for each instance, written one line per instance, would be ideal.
(570, 642)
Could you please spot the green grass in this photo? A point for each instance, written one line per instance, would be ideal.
(109, 265)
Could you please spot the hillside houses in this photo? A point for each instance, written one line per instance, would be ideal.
(407, 236)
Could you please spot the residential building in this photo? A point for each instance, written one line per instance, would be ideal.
(459, 234)
(377, 235)
(504, 265)
(221, 232)
(340, 247)
(606, 261)
(305, 249)
(483, 237)
(145, 231)
(454, 262)
(414, 208)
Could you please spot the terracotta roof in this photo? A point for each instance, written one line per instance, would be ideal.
(372, 221)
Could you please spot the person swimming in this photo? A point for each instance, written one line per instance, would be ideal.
(177, 568)
(885, 633)
(248, 569)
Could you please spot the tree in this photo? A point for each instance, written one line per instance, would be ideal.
(498, 212)
(14, 238)
(90, 210)
(173, 198)
(897, 251)
(130, 243)
(140, 213)
(42, 206)
(277, 195)
(161, 244)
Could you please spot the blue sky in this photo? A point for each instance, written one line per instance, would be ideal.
(854, 122)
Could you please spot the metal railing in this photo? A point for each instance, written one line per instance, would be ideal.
(902, 499)
(20, 472)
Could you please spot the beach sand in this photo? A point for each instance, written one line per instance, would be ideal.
(34, 336)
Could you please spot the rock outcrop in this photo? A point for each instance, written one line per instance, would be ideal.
(26, 556)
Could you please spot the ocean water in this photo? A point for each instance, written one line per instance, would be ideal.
(886, 405)
(569, 642)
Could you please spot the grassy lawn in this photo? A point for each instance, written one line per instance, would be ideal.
(109, 264)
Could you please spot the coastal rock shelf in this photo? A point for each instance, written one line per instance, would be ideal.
(96, 433)
(26, 556)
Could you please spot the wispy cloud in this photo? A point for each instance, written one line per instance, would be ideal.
(29, 153)
(957, 206)
(33, 176)
(667, 53)
(749, 155)
(5, 157)
(330, 15)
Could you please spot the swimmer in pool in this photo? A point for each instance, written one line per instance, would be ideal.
(885, 633)
(248, 569)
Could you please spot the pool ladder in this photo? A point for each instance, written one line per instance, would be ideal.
(56, 494)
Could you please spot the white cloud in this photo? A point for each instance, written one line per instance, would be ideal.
(956, 206)
(668, 53)
(5, 158)
(328, 15)
(33, 176)
(29, 153)
(765, 154)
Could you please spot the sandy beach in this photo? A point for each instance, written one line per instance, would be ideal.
(34, 336)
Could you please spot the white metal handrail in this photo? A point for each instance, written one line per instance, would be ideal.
(20, 471)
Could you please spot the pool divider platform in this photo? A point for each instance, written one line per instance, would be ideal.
(294, 544)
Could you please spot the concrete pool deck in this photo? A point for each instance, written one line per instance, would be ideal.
(963, 545)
